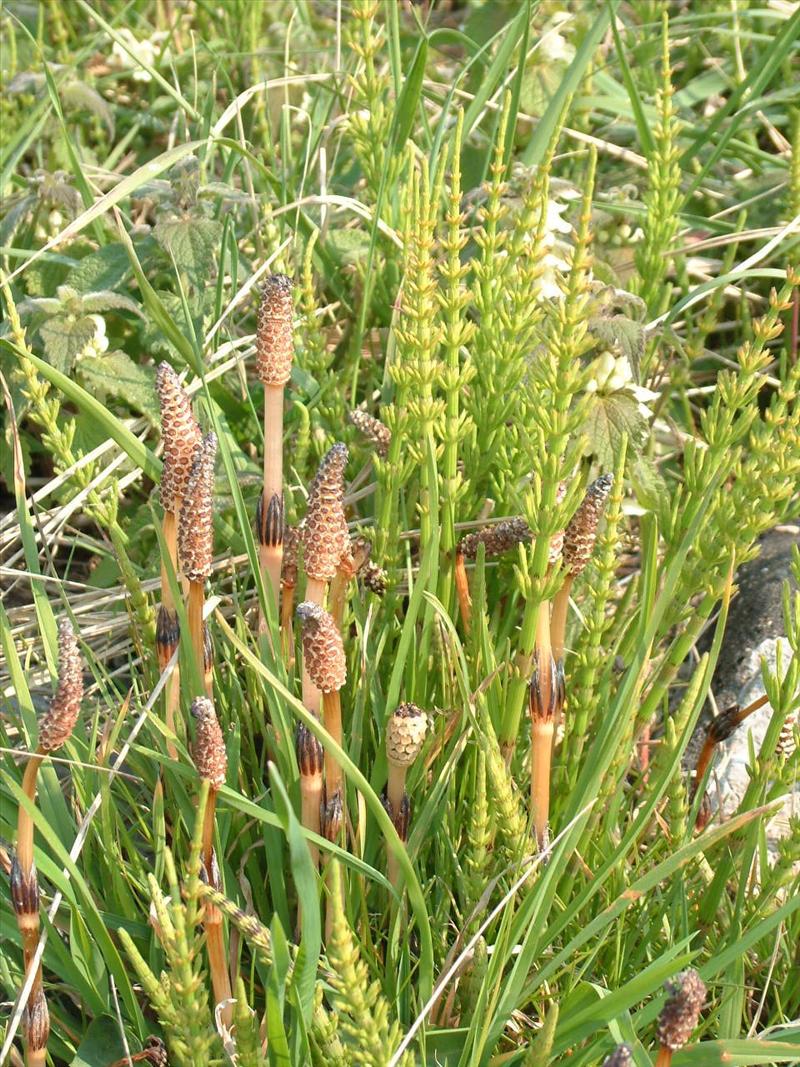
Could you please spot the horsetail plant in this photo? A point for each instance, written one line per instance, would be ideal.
(181, 435)
(274, 354)
(578, 546)
(211, 761)
(289, 567)
(680, 1014)
(196, 543)
(55, 729)
(323, 656)
(377, 433)
(720, 729)
(405, 735)
(310, 762)
(325, 542)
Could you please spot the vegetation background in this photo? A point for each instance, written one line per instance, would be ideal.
(540, 242)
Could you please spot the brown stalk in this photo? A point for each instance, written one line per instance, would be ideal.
(55, 728)
(274, 352)
(680, 1014)
(210, 759)
(546, 697)
(323, 655)
(325, 542)
(196, 542)
(291, 544)
(181, 435)
(405, 735)
(310, 761)
(332, 820)
(720, 729)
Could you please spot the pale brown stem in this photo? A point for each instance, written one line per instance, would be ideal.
(36, 1058)
(212, 919)
(332, 711)
(337, 597)
(462, 590)
(28, 921)
(271, 555)
(558, 622)
(169, 529)
(173, 699)
(664, 1057)
(311, 793)
(712, 740)
(542, 729)
(287, 630)
(315, 594)
(195, 615)
(24, 819)
(395, 792)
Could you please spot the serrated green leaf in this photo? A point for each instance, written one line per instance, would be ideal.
(624, 332)
(607, 420)
(64, 338)
(105, 269)
(192, 242)
(114, 374)
(106, 300)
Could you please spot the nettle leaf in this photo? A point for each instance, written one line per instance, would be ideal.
(64, 338)
(102, 270)
(193, 243)
(625, 332)
(106, 300)
(114, 374)
(608, 418)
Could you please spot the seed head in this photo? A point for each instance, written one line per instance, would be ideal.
(274, 346)
(581, 533)
(180, 434)
(208, 750)
(310, 755)
(58, 722)
(325, 534)
(196, 522)
(37, 1022)
(620, 1057)
(405, 734)
(681, 1011)
(378, 435)
(291, 545)
(375, 578)
(323, 650)
(497, 538)
(156, 1052)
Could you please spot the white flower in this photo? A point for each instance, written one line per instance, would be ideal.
(136, 52)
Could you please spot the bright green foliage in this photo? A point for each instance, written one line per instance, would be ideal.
(625, 306)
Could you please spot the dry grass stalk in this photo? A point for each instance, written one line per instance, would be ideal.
(196, 541)
(325, 542)
(680, 1014)
(274, 353)
(211, 761)
(55, 729)
(405, 735)
(180, 434)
